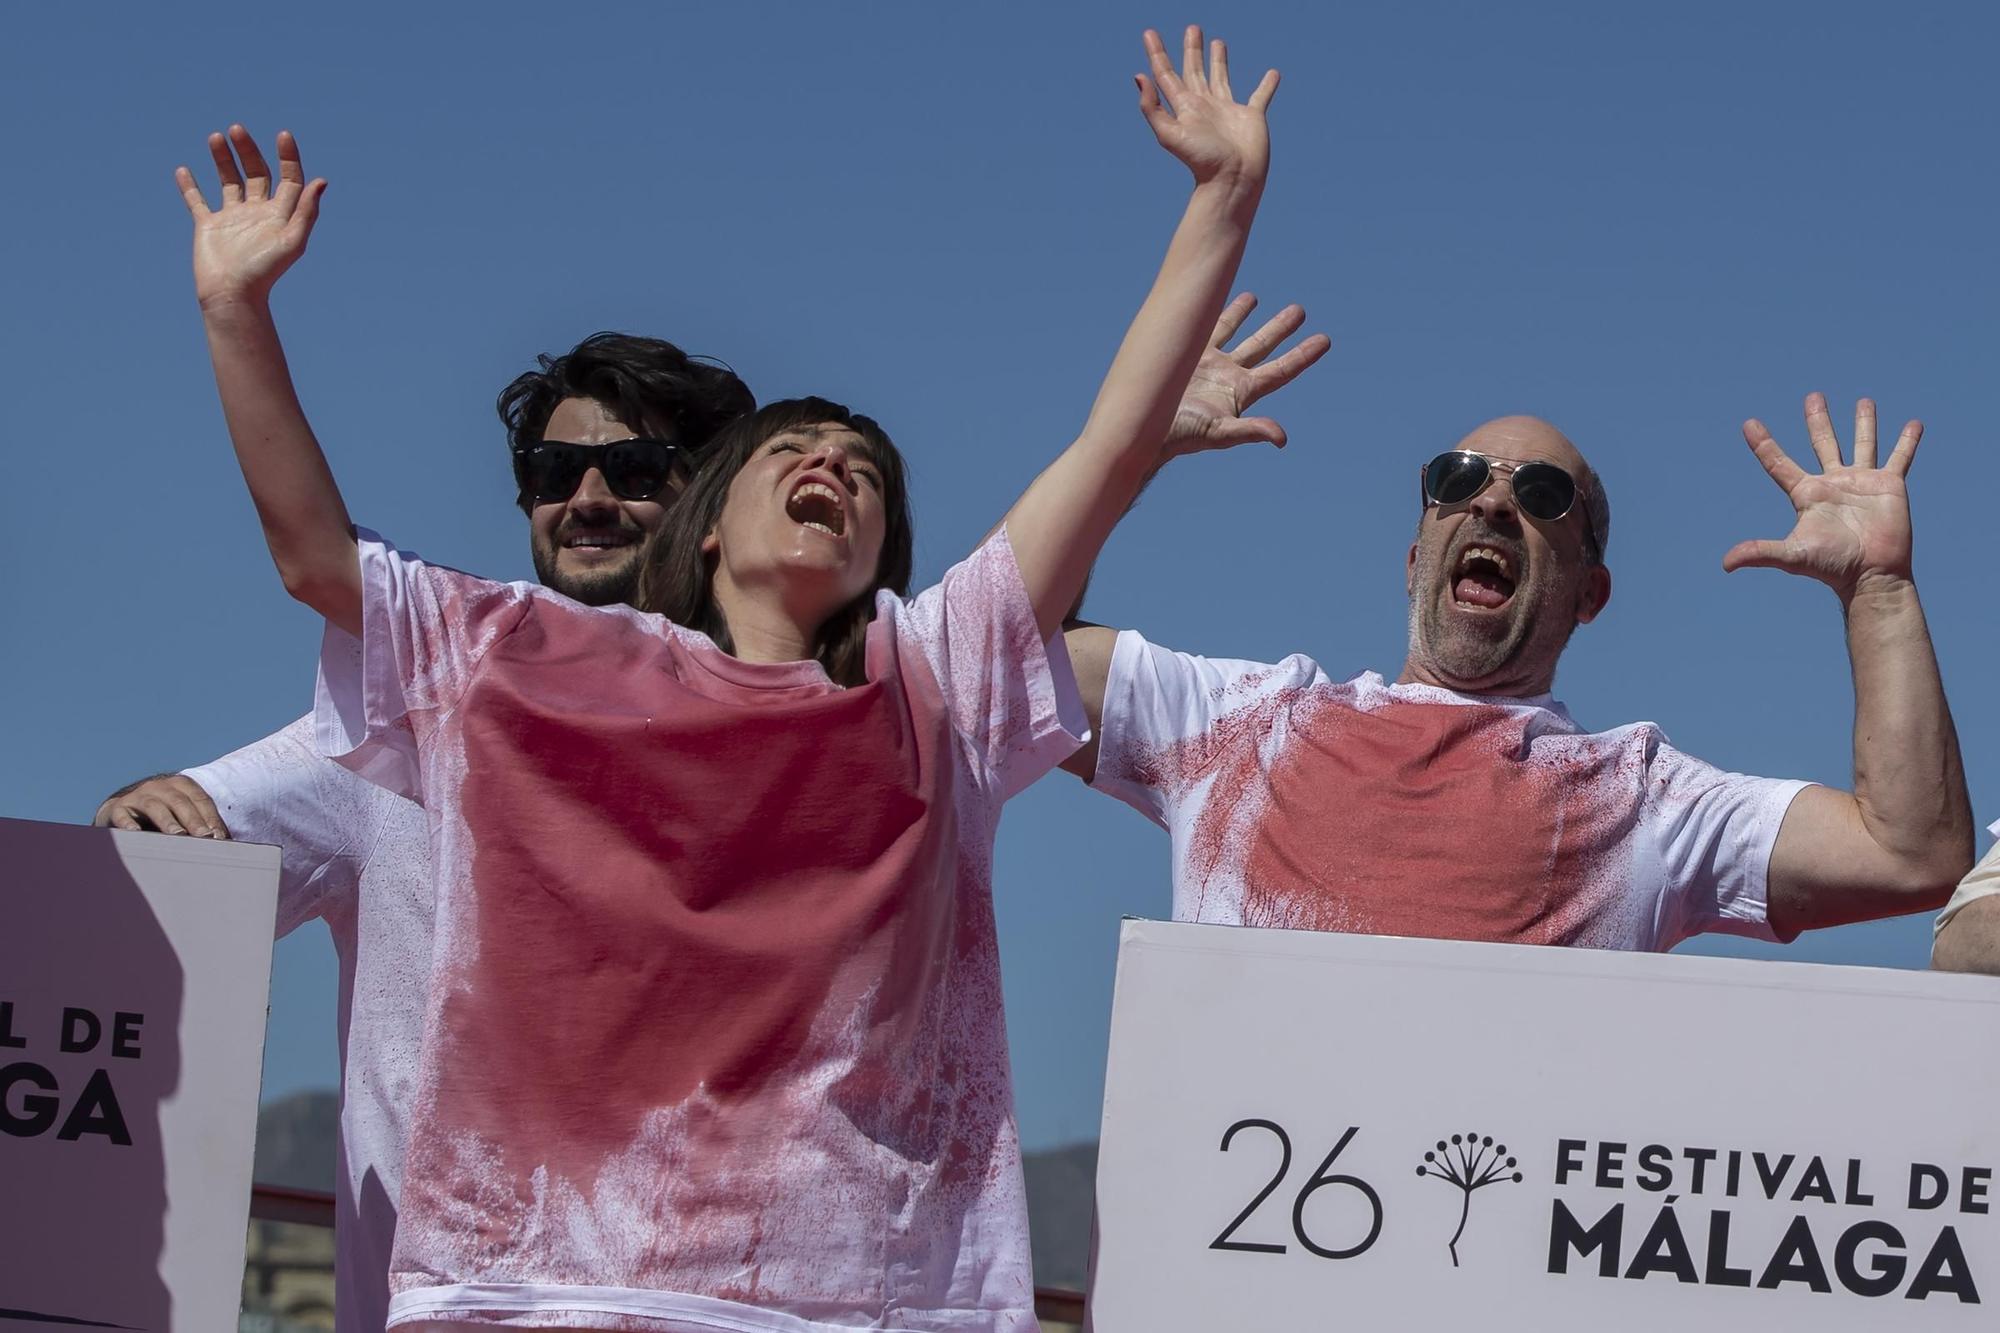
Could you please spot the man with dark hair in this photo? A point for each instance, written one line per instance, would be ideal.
(1462, 801)
(608, 389)
(603, 438)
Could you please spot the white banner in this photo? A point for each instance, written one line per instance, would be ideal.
(134, 980)
(1311, 1130)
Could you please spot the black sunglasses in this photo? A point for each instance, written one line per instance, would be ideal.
(638, 469)
(1543, 490)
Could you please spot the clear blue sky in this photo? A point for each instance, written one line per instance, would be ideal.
(1644, 225)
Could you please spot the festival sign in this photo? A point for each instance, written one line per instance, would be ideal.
(134, 978)
(1307, 1130)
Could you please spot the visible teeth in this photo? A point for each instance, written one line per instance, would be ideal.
(801, 505)
(1486, 553)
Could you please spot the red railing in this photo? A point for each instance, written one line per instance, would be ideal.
(281, 1203)
(1059, 1303)
(313, 1208)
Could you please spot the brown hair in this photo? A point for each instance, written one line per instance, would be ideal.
(650, 385)
(678, 580)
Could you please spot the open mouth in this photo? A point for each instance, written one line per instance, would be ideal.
(1483, 578)
(817, 506)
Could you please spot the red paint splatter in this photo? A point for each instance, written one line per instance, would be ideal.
(671, 890)
(1409, 818)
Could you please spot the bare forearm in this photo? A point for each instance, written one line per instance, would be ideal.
(1061, 523)
(1136, 403)
(304, 518)
(1908, 779)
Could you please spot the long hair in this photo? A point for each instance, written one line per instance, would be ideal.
(678, 580)
(646, 383)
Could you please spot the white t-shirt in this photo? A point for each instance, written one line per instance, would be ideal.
(358, 858)
(714, 1035)
(1982, 882)
(1302, 802)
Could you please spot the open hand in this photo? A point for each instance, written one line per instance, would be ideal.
(245, 246)
(1227, 383)
(1207, 128)
(1853, 518)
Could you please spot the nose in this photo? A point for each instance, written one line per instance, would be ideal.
(1496, 503)
(593, 495)
(832, 456)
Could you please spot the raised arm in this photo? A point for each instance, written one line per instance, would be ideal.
(1058, 526)
(1227, 382)
(1902, 838)
(240, 251)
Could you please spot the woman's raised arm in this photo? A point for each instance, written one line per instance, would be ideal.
(1061, 522)
(240, 251)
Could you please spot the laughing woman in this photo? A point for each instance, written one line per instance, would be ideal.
(714, 1039)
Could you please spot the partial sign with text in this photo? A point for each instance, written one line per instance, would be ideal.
(1420, 1133)
(134, 978)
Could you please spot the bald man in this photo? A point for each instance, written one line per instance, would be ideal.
(1463, 801)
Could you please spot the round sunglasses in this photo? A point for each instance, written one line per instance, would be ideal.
(1544, 491)
(637, 469)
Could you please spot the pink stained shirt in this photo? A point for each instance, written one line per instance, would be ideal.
(1297, 801)
(714, 1035)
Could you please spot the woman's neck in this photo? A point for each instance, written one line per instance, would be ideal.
(762, 628)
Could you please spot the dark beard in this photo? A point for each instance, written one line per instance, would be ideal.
(605, 587)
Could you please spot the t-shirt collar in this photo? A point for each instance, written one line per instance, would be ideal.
(1437, 694)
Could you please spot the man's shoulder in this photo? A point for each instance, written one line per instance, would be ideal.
(1135, 653)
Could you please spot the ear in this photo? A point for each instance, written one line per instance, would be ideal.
(710, 542)
(1596, 592)
(1410, 571)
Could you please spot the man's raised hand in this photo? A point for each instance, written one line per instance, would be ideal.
(243, 247)
(1853, 518)
(1201, 122)
(1226, 383)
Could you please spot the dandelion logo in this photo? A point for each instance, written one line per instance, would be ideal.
(1471, 1163)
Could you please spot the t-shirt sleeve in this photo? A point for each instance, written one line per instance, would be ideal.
(1157, 739)
(1982, 882)
(424, 631)
(1010, 692)
(323, 819)
(1715, 831)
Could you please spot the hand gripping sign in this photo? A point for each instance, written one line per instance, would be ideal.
(134, 975)
(1308, 1129)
